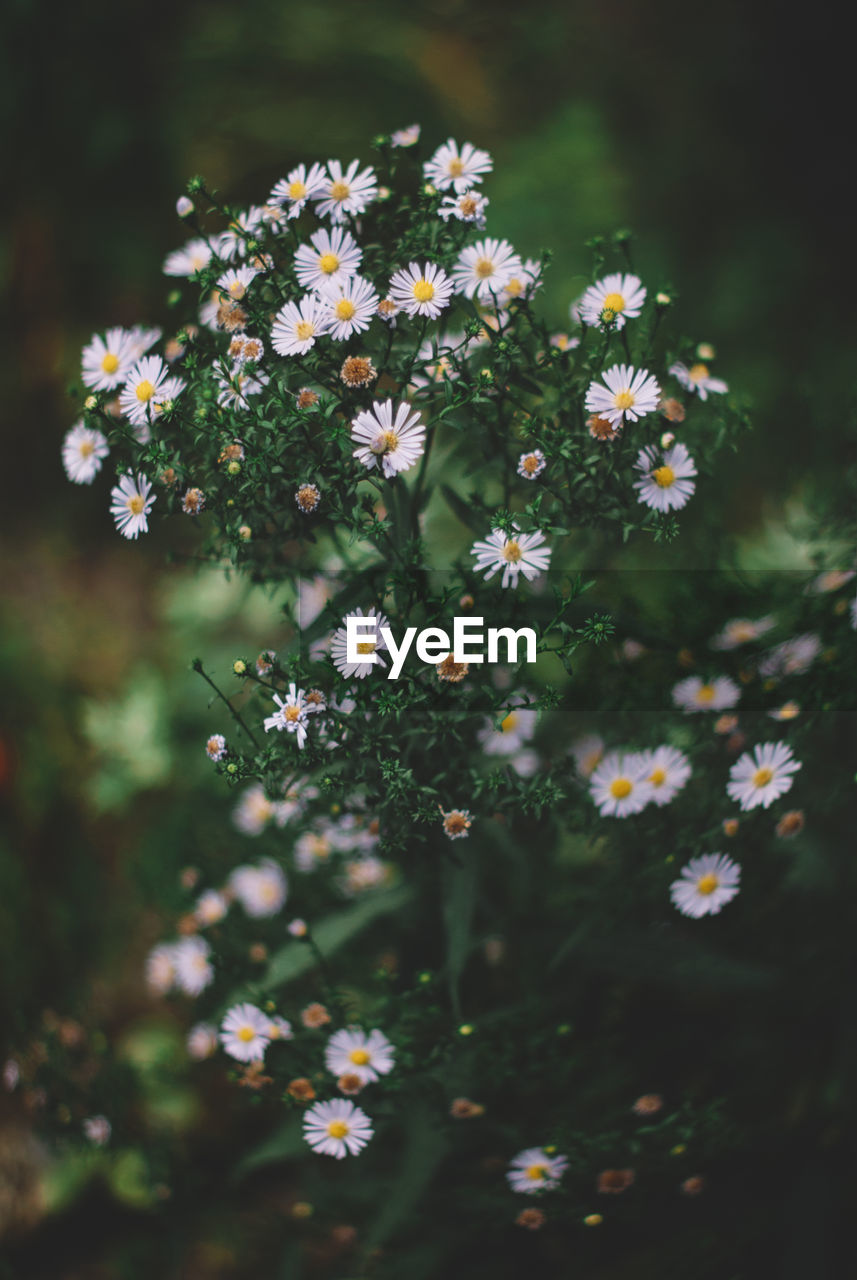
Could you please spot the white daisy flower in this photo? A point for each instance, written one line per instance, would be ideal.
(329, 258)
(696, 694)
(336, 1128)
(666, 483)
(707, 883)
(367, 1055)
(457, 168)
(791, 658)
(563, 342)
(141, 339)
(352, 304)
(148, 385)
(612, 301)
(468, 207)
(261, 890)
(253, 812)
(83, 450)
(522, 553)
(523, 284)
(215, 747)
(234, 392)
(201, 1041)
(365, 873)
(421, 291)
(313, 849)
(697, 379)
(484, 268)
(193, 970)
(291, 714)
(184, 206)
(368, 646)
(131, 505)
(406, 137)
(280, 1028)
(667, 771)
(760, 777)
(98, 1130)
(392, 444)
(345, 192)
(161, 968)
(830, 580)
(292, 192)
(297, 325)
(788, 711)
(620, 784)
(105, 361)
(534, 1170)
(626, 394)
(587, 753)
(245, 1033)
(742, 631)
(194, 257)
(235, 282)
(232, 243)
(531, 465)
(211, 907)
(516, 728)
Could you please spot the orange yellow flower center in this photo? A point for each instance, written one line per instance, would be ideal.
(292, 714)
(359, 1057)
(512, 552)
(537, 1172)
(145, 391)
(614, 302)
(246, 1034)
(762, 777)
(338, 1129)
(297, 190)
(455, 168)
(328, 263)
(658, 777)
(135, 505)
(484, 268)
(345, 310)
(706, 693)
(340, 191)
(663, 477)
(620, 788)
(86, 448)
(624, 399)
(707, 884)
(697, 372)
(110, 363)
(366, 646)
(304, 330)
(423, 291)
(507, 725)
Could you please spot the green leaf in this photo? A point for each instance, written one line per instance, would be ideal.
(285, 1143)
(466, 513)
(459, 883)
(424, 1152)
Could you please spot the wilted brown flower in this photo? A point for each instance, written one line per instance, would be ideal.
(349, 1083)
(464, 1109)
(613, 1182)
(648, 1104)
(301, 1088)
(601, 428)
(532, 1219)
(358, 371)
(452, 671)
(693, 1186)
(305, 398)
(790, 824)
(672, 409)
(315, 1015)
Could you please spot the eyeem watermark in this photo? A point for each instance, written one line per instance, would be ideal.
(470, 643)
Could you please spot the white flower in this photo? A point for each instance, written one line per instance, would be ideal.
(432, 364)
(627, 394)
(741, 631)
(534, 1170)
(297, 325)
(612, 301)
(82, 452)
(337, 1128)
(364, 873)
(253, 812)
(667, 771)
(194, 257)
(516, 728)
(666, 484)
(291, 714)
(131, 505)
(193, 970)
(184, 206)
(390, 443)
(523, 284)
(520, 553)
(299, 185)
(620, 785)
(791, 658)
(707, 883)
(468, 207)
(298, 928)
(97, 1129)
(531, 465)
(234, 392)
(347, 192)
(368, 1056)
(149, 384)
(210, 908)
(232, 242)
(352, 304)
(367, 646)
(280, 1029)
(830, 580)
(485, 267)
(334, 256)
(788, 711)
(161, 968)
(760, 777)
(215, 747)
(261, 890)
(11, 1075)
(201, 1041)
(141, 339)
(245, 1033)
(587, 753)
(235, 282)
(105, 361)
(698, 379)
(457, 168)
(696, 694)
(421, 291)
(406, 137)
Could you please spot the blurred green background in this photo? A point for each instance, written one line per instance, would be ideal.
(718, 135)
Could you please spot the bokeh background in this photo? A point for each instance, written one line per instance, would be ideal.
(718, 134)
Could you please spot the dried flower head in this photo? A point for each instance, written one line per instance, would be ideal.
(693, 1186)
(193, 502)
(730, 827)
(672, 409)
(358, 371)
(349, 1083)
(306, 399)
(308, 496)
(451, 671)
(464, 1109)
(531, 1219)
(601, 428)
(314, 1016)
(790, 824)
(648, 1104)
(456, 823)
(614, 1181)
(301, 1089)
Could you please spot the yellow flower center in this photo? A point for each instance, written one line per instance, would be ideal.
(620, 788)
(304, 329)
(110, 363)
(707, 884)
(366, 646)
(789, 710)
(697, 372)
(135, 505)
(237, 289)
(297, 191)
(345, 310)
(423, 291)
(762, 777)
(245, 1034)
(512, 552)
(340, 191)
(386, 442)
(359, 1057)
(455, 168)
(484, 268)
(537, 1172)
(624, 399)
(514, 287)
(531, 463)
(468, 206)
(743, 631)
(338, 1129)
(292, 713)
(86, 448)
(145, 390)
(706, 693)
(614, 302)
(328, 263)
(658, 778)
(507, 725)
(663, 477)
